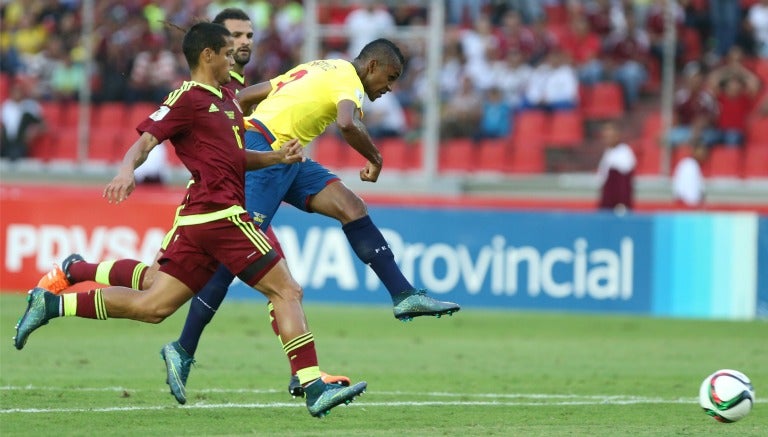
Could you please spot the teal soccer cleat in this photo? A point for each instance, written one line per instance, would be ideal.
(321, 398)
(415, 303)
(177, 365)
(34, 317)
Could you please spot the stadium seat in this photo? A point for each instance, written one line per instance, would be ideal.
(64, 144)
(649, 158)
(530, 127)
(495, 155)
(395, 152)
(565, 129)
(111, 114)
(603, 101)
(457, 154)
(652, 127)
(724, 162)
(60, 114)
(756, 161)
(757, 130)
(138, 112)
(327, 150)
(103, 145)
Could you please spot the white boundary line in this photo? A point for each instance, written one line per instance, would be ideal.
(494, 400)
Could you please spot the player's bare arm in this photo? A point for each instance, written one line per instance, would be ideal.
(251, 96)
(354, 132)
(123, 184)
(291, 152)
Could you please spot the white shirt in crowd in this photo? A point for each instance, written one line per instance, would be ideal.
(620, 157)
(688, 182)
(364, 25)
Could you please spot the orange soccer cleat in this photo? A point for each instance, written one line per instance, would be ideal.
(58, 279)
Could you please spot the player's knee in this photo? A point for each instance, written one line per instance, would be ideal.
(353, 208)
(156, 312)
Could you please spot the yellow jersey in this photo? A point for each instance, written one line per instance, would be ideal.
(303, 101)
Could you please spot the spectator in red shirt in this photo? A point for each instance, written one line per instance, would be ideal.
(583, 47)
(696, 111)
(735, 99)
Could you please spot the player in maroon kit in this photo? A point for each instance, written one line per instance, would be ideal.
(204, 123)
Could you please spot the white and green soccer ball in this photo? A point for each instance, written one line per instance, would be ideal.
(727, 395)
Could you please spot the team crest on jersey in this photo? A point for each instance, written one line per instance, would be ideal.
(213, 108)
(160, 113)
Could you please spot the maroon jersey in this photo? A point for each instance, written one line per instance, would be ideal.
(205, 126)
(236, 84)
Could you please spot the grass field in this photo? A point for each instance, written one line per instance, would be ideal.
(476, 373)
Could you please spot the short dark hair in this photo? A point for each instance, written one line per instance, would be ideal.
(230, 14)
(203, 36)
(382, 49)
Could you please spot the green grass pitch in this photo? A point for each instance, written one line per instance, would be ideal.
(479, 372)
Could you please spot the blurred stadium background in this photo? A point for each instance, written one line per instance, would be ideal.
(95, 68)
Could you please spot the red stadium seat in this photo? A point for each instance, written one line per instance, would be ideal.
(495, 155)
(649, 158)
(103, 145)
(138, 112)
(603, 101)
(566, 129)
(757, 130)
(457, 155)
(327, 150)
(724, 162)
(111, 114)
(395, 152)
(60, 114)
(756, 161)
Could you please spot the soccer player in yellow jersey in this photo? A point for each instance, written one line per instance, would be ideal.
(300, 104)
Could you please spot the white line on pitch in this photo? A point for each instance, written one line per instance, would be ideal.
(360, 404)
(382, 393)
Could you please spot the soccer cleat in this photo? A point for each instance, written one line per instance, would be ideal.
(33, 318)
(59, 279)
(415, 303)
(177, 365)
(296, 390)
(320, 399)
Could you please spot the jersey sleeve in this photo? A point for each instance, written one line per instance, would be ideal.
(174, 117)
(346, 87)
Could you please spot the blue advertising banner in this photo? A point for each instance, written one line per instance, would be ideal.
(482, 258)
(762, 270)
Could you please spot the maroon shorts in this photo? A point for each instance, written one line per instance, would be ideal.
(196, 251)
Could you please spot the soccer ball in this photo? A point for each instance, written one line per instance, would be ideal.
(727, 395)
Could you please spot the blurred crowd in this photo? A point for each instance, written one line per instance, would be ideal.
(500, 56)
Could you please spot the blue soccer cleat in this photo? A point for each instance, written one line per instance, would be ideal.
(177, 365)
(34, 317)
(321, 397)
(415, 303)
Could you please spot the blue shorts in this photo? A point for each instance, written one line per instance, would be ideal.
(267, 187)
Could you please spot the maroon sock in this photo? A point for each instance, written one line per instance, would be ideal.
(128, 273)
(82, 271)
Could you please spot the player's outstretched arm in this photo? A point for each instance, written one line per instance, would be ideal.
(290, 152)
(354, 132)
(251, 96)
(123, 184)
